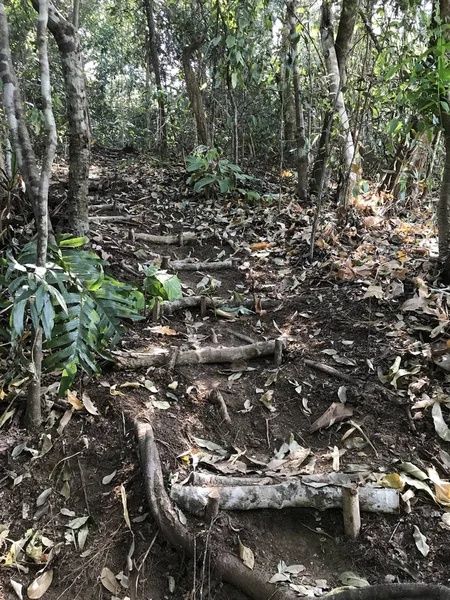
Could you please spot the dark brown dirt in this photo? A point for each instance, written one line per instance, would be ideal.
(319, 316)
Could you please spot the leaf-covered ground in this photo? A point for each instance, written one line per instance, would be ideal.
(370, 305)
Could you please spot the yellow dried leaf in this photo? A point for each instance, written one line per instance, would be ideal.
(261, 246)
(74, 401)
(392, 480)
(164, 331)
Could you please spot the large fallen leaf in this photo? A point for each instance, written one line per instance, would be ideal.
(417, 484)
(421, 541)
(279, 577)
(41, 499)
(40, 585)
(411, 469)
(374, 291)
(109, 581)
(246, 555)
(17, 587)
(351, 578)
(210, 446)
(77, 523)
(335, 413)
(440, 425)
(89, 405)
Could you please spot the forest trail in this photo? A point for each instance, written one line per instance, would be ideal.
(367, 299)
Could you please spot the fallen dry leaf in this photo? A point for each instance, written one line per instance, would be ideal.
(335, 413)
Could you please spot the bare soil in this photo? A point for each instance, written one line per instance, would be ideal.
(320, 314)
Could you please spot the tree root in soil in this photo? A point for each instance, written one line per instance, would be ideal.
(290, 494)
(395, 591)
(226, 566)
(161, 356)
(170, 306)
(180, 239)
(184, 265)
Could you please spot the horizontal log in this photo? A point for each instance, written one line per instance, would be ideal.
(168, 307)
(291, 494)
(161, 356)
(180, 238)
(183, 265)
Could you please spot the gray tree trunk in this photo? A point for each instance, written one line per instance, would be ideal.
(443, 209)
(156, 67)
(39, 182)
(68, 42)
(335, 84)
(301, 141)
(194, 93)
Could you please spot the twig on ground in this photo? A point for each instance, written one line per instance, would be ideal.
(329, 370)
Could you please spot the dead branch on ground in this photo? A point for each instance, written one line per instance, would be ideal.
(161, 356)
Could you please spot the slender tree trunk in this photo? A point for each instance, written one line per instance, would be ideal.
(76, 14)
(443, 209)
(286, 94)
(68, 43)
(27, 160)
(156, 67)
(194, 92)
(302, 143)
(3, 180)
(344, 35)
(335, 83)
(235, 136)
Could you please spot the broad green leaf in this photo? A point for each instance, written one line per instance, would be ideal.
(204, 182)
(73, 242)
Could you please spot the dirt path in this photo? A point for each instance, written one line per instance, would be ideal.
(323, 320)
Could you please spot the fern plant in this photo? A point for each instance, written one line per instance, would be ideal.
(80, 308)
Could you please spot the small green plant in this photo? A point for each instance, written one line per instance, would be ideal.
(211, 172)
(161, 285)
(80, 308)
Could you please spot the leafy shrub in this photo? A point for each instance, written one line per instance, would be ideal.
(211, 172)
(80, 309)
(160, 285)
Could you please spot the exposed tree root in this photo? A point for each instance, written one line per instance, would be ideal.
(227, 567)
(160, 356)
(184, 265)
(180, 239)
(289, 494)
(169, 307)
(395, 591)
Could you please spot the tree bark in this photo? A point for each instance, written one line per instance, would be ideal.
(194, 93)
(344, 35)
(443, 209)
(68, 42)
(286, 94)
(156, 67)
(39, 183)
(335, 84)
(301, 141)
